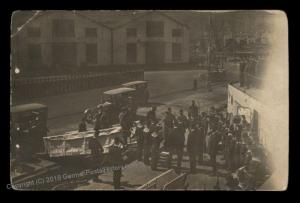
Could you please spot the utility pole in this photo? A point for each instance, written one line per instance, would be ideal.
(209, 56)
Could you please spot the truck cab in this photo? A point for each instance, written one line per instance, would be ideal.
(28, 126)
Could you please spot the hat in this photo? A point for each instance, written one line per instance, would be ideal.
(154, 134)
(146, 130)
(139, 125)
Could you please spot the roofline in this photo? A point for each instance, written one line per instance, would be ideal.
(151, 12)
(42, 13)
(93, 21)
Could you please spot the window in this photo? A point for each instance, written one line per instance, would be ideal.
(34, 52)
(155, 29)
(63, 28)
(176, 51)
(177, 32)
(34, 32)
(91, 53)
(91, 32)
(131, 53)
(131, 32)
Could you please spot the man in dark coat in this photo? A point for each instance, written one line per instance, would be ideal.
(125, 123)
(140, 140)
(192, 147)
(82, 126)
(193, 110)
(117, 162)
(182, 119)
(213, 148)
(147, 144)
(155, 145)
(96, 152)
(151, 116)
(179, 139)
(201, 144)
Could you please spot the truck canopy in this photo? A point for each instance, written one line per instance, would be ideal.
(119, 91)
(134, 83)
(27, 107)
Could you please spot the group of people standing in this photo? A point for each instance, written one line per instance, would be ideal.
(210, 133)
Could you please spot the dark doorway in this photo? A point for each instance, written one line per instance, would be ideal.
(155, 52)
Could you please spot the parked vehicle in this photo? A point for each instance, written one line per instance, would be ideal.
(141, 87)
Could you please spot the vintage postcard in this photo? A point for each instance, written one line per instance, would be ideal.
(149, 100)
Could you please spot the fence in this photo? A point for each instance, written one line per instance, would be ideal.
(26, 88)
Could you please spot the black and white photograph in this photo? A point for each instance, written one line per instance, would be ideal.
(149, 100)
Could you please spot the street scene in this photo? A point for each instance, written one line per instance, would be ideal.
(148, 100)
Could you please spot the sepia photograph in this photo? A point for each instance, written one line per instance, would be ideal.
(149, 100)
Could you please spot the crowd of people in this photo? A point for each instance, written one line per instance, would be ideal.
(207, 133)
(214, 134)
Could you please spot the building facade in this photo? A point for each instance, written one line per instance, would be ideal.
(61, 40)
(152, 38)
(66, 41)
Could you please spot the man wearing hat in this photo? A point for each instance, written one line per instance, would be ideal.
(98, 118)
(192, 147)
(147, 144)
(140, 139)
(151, 116)
(168, 123)
(193, 110)
(125, 123)
(155, 143)
(213, 148)
(96, 153)
(179, 138)
(183, 119)
(201, 143)
(116, 150)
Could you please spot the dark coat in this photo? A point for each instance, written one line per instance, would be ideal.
(96, 147)
(192, 142)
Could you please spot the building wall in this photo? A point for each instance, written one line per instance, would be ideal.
(240, 98)
(121, 40)
(46, 39)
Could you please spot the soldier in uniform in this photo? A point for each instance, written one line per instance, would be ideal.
(193, 110)
(147, 144)
(140, 140)
(151, 116)
(116, 156)
(167, 127)
(96, 152)
(192, 147)
(98, 118)
(125, 122)
(179, 144)
(82, 126)
(213, 148)
(155, 144)
(182, 119)
(201, 143)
